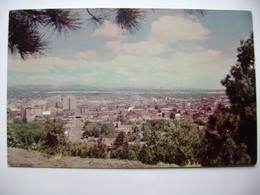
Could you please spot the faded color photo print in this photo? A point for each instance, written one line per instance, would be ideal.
(131, 88)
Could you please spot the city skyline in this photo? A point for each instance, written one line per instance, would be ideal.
(170, 50)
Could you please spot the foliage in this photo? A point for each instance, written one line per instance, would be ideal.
(97, 130)
(181, 144)
(90, 129)
(81, 149)
(25, 36)
(134, 150)
(120, 153)
(156, 146)
(146, 133)
(231, 136)
(108, 130)
(17, 121)
(157, 125)
(55, 137)
(184, 143)
(87, 149)
(100, 149)
(133, 137)
(120, 147)
(223, 151)
(129, 19)
(240, 85)
(146, 156)
(27, 136)
(120, 140)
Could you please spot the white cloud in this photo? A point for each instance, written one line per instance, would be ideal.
(110, 31)
(191, 49)
(39, 64)
(47, 63)
(170, 29)
(200, 69)
(90, 54)
(167, 29)
(113, 45)
(136, 64)
(198, 56)
(142, 48)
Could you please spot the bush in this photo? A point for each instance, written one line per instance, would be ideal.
(120, 153)
(27, 136)
(55, 138)
(99, 150)
(132, 155)
(146, 156)
(87, 149)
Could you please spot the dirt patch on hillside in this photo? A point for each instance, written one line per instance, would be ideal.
(27, 158)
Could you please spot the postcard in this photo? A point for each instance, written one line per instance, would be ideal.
(131, 88)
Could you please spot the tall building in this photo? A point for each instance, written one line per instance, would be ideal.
(69, 103)
(75, 132)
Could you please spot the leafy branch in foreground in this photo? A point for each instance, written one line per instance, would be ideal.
(25, 36)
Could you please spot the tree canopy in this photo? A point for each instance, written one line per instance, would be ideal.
(231, 138)
(55, 137)
(27, 136)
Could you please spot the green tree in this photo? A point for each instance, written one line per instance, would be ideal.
(146, 155)
(27, 136)
(157, 125)
(134, 150)
(121, 150)
(231, 137)
(90, 129)
(96, 132)
(55, 138)
(11, 139)
(120, 153)
(120, 140)
(108, 130)
(133, 137)
(184, 143)
(180, 144)
(87, 131)
(157, 144)
(99, 150)
(146, 133)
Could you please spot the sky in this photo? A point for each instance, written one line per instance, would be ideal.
(170, 50)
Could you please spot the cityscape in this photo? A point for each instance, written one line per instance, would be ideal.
(131, 88)
(75, 108)
(110, 97)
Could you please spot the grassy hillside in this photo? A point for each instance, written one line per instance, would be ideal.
(27, 158)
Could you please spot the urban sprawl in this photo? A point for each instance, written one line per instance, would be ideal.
(75, 108)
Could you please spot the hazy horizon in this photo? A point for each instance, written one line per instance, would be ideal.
(78, 86)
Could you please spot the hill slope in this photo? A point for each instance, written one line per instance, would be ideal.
(27, 158)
